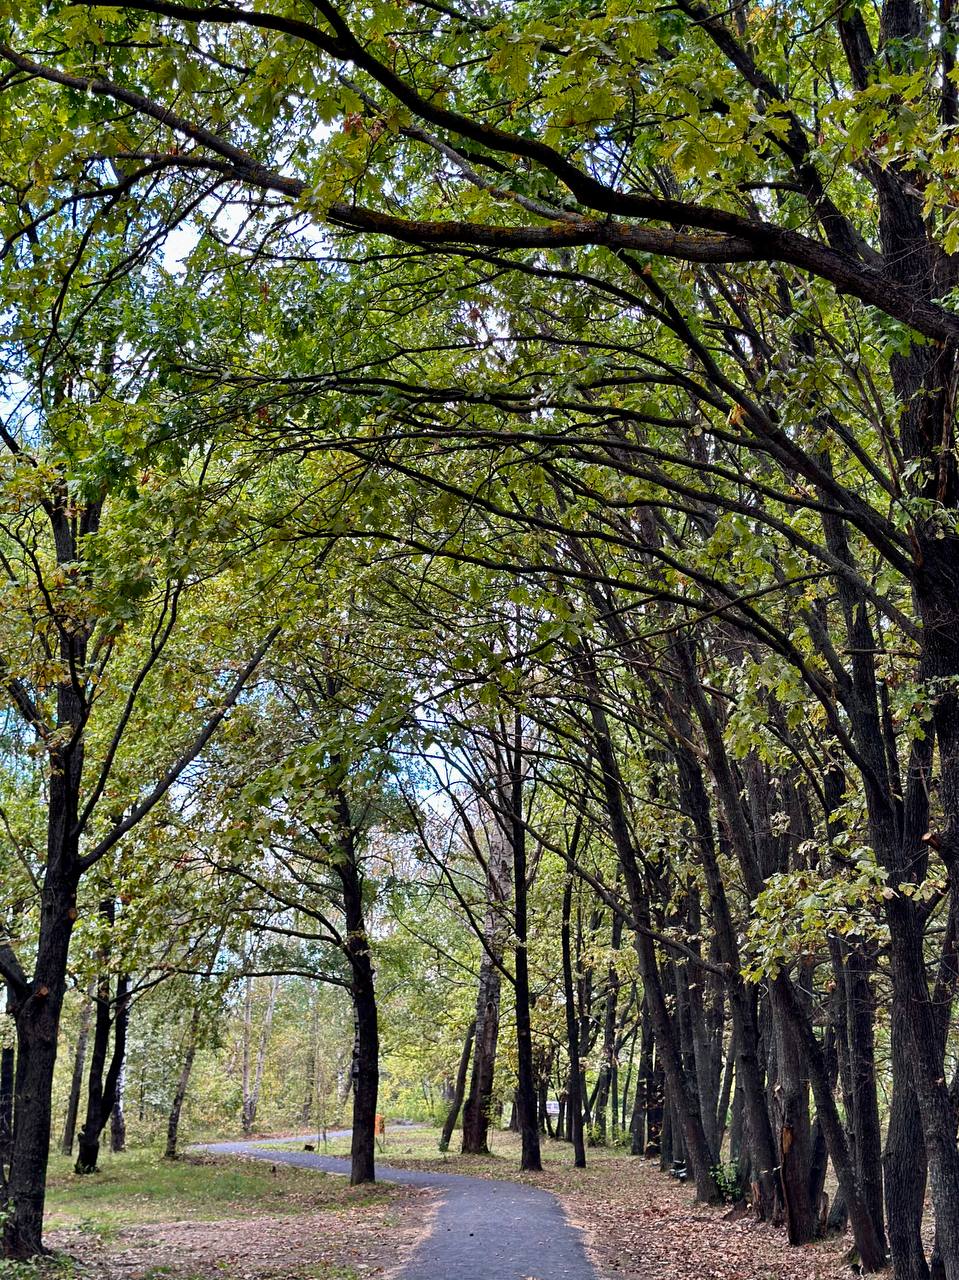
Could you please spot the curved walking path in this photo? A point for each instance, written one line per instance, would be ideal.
(485, 1229)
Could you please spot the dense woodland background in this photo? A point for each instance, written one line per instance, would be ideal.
(479, 568)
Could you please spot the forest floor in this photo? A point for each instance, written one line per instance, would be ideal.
(638, 1223)
(206, 1218)
(230, 1218)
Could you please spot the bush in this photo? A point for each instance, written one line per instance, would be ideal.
(729, 1181)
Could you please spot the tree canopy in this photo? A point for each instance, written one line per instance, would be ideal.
(478, 533)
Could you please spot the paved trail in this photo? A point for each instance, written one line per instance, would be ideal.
(485, 1229)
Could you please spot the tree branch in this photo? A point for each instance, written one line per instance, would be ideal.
(141, 810)
(730, 238)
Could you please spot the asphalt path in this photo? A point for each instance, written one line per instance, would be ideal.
(485, 1229)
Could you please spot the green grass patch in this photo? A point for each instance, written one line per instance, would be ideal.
(139, 1187)
(407, 1145)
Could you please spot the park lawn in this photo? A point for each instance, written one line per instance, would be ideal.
(140, 1187)
(200, 1217)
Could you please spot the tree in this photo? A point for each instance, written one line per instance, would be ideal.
(94, 604)
(687, 376)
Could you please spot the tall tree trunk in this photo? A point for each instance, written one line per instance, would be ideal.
(904, 1162)
(530, 1159)
(702, 1033)
(792, 1109)
(725, 1093)
(182, 1084)
(366, 1050)
(665, 1148)
(459, 1088)
(736, 1137)
(605, 1080)
(102, 1088)
(366, 1072)
(76, 1080)
(627, 1093)
(574, 1099)
(935, 1106)
(7, 1073)
(637, 1120)
(253, 1069)
(478, 1108)
(477, 1111)
(37, 1014)
(644, 1127)
(118, 1124)
(862, 1059)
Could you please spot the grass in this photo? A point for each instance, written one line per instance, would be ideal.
(216, 1218)
(149, 1219)
(140, 1187)
(419, 1148)
(423, 1143)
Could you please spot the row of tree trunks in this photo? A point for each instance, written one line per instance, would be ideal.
(478, 1109)
(788, 1174)
(683, 1097)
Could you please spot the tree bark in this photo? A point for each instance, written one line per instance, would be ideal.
(574, 1093)
(792, 1108)
(862, 1058)
(7, 1073)
(904, 1162)
(118, 1123)
(182, 1084)
(530, 1159)
(477, 1111)
(682, 1096)
(366, 1051)
(76, 1081)
(102, 1088)
(459, 1088)
(37, 1014)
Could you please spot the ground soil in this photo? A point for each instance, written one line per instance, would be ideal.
(644, 1226)
(640, 1224)
(637, 1224)
(371, 1237)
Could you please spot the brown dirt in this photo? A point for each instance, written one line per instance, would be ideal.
(639, 1224)
(649, 1228)
(370, 1239)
